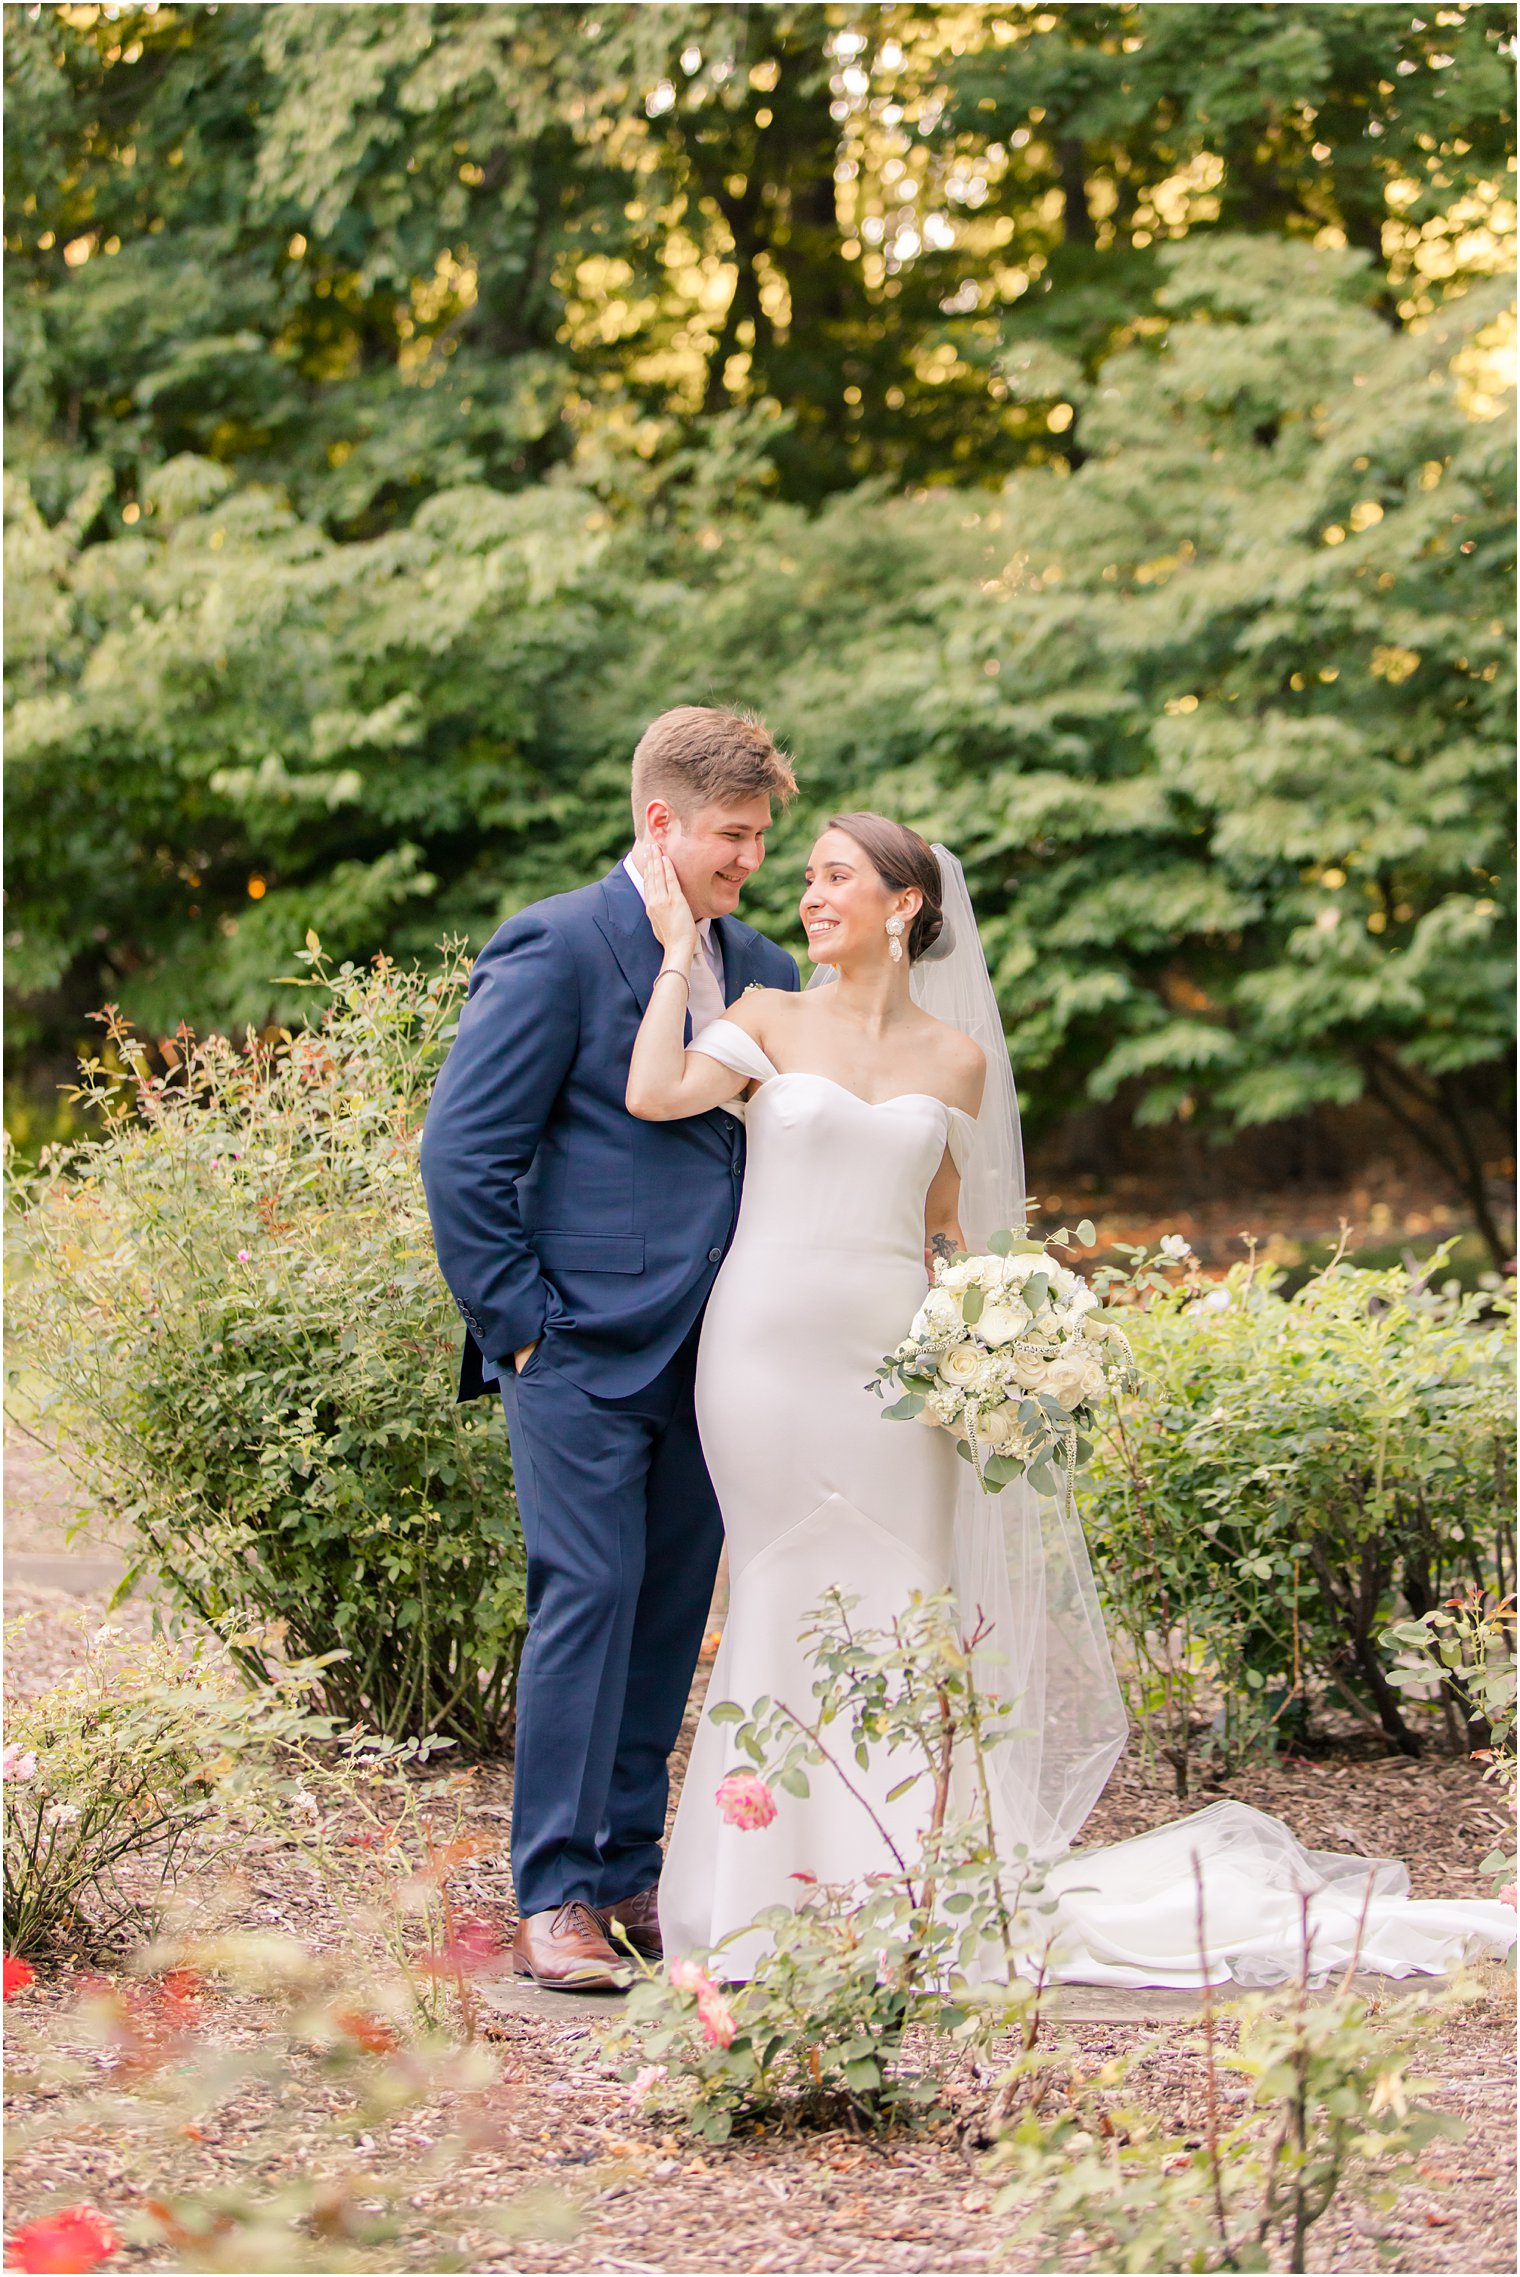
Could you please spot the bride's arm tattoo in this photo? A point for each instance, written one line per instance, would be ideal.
(942, 1247)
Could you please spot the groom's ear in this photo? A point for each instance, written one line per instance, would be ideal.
(659, 814)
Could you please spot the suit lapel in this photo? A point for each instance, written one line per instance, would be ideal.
(625, 925)
(737, 943)
(626, 929)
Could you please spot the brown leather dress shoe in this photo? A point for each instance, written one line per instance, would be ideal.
(565, 1949)
(638, 1917)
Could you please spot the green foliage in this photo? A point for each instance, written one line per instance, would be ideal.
(1219, 721)
(819, 2031)
(372, 252)
(1105, 130)
(1331, 2114)
(1289, 1472)
(232, 1299)
(116, 1770)
(486, 366)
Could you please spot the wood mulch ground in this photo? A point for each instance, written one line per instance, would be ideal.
(549, 2169)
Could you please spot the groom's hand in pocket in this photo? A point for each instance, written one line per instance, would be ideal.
(521, 1358)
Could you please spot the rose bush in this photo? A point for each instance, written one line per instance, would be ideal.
(133, 1755)
(1287, 1475)
(231, 1302)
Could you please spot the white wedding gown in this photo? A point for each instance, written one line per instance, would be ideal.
(818, 1491)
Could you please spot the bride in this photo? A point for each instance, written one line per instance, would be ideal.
(882, 1131)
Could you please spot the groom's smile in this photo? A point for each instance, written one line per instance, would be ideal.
(714, 851)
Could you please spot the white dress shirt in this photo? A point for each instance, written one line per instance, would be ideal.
(706, 998)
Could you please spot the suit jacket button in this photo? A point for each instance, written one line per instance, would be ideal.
(715, 1257)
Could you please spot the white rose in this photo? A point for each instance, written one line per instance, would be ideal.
(1029, 1371)
(962, 1366)
(1067, 1379)
(1015, 1271)
(937, 1317)
(965, 1275)
(1001, 1323)
(999, 1430)
(1099, 1330)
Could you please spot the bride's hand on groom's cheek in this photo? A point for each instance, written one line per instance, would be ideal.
(670, 915)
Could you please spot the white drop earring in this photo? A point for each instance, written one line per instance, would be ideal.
(895, 931)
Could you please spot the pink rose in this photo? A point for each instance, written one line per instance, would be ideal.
(717, 2018)
(745, 1801)
(243, 1256)
(19, 1763)
(644, 2082)
(690, 1976)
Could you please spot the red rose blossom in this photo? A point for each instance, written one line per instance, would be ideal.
(18, 1975)
(80, 2239)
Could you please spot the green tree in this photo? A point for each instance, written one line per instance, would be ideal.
(407, 402)
(370, 252)
(1106, 131)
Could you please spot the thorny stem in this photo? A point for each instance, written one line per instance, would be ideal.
(850, 1788)
(1216, 2176)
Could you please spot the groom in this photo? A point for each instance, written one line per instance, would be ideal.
(581, 1246)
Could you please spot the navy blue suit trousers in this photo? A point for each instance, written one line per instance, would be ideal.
(623, 1534)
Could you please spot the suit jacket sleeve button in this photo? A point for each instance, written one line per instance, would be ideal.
(715, 1257)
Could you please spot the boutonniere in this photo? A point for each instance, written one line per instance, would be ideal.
(750, 989)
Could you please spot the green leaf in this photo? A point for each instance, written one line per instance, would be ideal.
(904, 1409)
(1002, 1470)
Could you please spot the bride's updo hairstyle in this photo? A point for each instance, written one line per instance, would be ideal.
(900, 859)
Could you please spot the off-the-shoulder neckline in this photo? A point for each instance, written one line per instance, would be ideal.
(811, 1075)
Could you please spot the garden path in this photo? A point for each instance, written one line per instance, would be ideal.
(641, 2200)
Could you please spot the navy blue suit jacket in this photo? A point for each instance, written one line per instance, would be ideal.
(556, 1213)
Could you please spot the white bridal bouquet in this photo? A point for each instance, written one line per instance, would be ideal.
(1009, 1352)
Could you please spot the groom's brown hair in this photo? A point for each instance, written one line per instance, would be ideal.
(696, 756)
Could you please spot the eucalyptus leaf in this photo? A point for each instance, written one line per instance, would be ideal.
(902, 1410)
